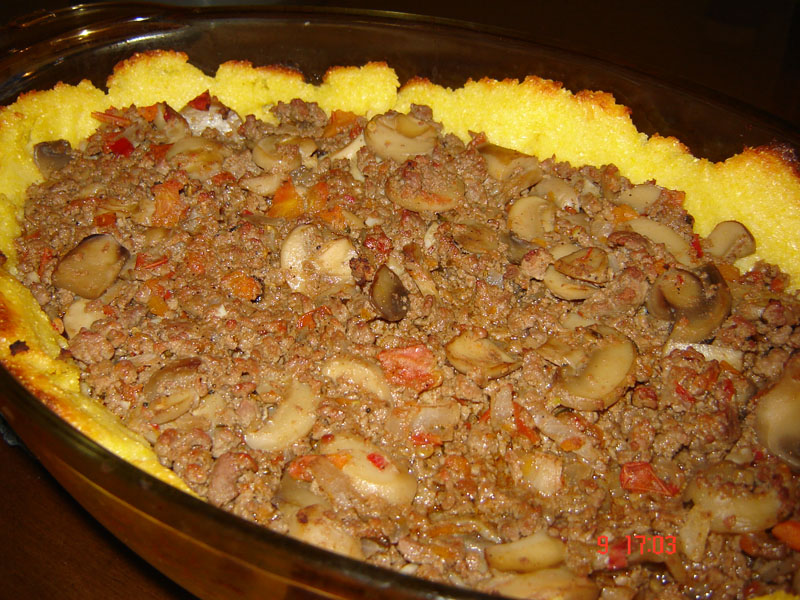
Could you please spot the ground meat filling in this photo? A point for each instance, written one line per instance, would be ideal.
(450, 359)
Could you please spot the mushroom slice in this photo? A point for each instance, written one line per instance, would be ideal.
(176, 376)
(359, 372)
(565, 287)
(778, 415)
(399, 137)
(78, 316)
(596, 382)
(92, 266)
(292, 420)
(530, 217)
(369, 470)
(263, 185)
(558, 191)
(313, 525)
(52, 156)
(413, 187)
(661, 234)
(302, 243)
(639, 197)
(274, 154)
(333, 260)
(388, 295)
(507, 165)
(530, 553)
(733, 507)
(586, 264)
(557, 582)
(675, 290)
(200, 157)
(171, 123)
(473, 354)
(730, 240)
(168, 408)
(698, 323)
(476, 238)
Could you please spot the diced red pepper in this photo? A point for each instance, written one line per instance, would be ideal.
(121, 146)
(111, 118)
(378, 460)
(641, 477)
(145, 262)
(521, 426)
(684, 394)
(698, 249)
(618, 555)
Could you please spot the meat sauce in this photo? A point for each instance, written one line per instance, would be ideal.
(449, 359)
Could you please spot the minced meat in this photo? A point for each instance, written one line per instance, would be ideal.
(414, 351)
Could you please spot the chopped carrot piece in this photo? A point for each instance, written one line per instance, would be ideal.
(789, 533)
(239, 284)
(169, 206)
(287, 202)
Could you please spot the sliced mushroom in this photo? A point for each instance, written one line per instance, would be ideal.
(92, 266)
(598, 381)
(388, 295)
(333, 260)
(370, 471)
(557, 191)
(414, 187)
(359, 372)
(639, 197)
(350, 151)
(293, 418)
(168, 408)
(698, 302)
(480, 357)
(176, 376)
(530, 217)
(399, 137)
(586, 264)
(543, 471)
(476, 238)
(171, 123)
(557, 582)
(517, 248)
(78, 316)
(733, 356)
(52, 156)
(275, 154)
(313, 525)
(527, 554)
(263, 185)
(661, 234)
(565, 287)
(302, 243)
(730, 240)
(733, 507)
(506, 165)
(778, 415)
(200, 157)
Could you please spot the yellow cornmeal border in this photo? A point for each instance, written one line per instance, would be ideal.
(757, 187)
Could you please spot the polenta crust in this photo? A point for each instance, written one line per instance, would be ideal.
(759, 187)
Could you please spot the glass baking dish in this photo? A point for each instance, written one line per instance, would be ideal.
(211, 553)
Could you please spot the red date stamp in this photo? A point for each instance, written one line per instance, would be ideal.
(637, 544)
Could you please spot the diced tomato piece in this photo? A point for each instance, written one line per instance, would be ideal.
(202, 102)
(641, 477)
(412, 367)
(379, 243)
(789, 533)
(169, 206)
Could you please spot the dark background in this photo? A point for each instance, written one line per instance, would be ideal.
(746, 50)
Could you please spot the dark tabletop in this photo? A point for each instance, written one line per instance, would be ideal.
(750, 51)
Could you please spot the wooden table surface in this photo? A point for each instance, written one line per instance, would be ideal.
(50, 547)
